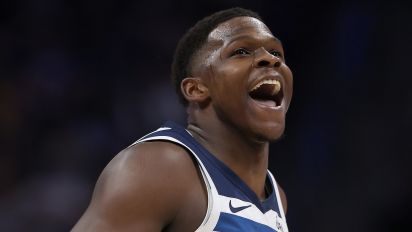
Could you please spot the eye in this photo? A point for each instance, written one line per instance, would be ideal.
(241, 51)
(276, 53)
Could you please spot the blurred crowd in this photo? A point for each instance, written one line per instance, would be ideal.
(81, 80)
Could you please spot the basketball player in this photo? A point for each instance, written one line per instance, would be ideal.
(230, 72)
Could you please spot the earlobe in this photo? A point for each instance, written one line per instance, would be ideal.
(194, 90)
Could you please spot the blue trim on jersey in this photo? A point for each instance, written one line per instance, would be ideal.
(232, 223)
(217, 168)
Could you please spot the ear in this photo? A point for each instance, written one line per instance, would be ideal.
(194, 90)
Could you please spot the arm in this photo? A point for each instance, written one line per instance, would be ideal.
(140, 190)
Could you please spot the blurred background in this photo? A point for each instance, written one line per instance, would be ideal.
(81, 80)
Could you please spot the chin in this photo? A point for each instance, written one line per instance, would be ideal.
(276, 136)
(271, 134)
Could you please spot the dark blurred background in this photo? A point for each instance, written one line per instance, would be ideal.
(81, 80)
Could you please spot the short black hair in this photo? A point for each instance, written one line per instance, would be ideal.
(194, 39)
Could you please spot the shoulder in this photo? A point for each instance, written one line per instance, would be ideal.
(143, 188)
(147, 163)
(144, 164)
(155, 158)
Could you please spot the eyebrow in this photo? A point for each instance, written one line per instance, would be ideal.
(248, 37)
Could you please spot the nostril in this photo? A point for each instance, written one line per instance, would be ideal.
(263, 63)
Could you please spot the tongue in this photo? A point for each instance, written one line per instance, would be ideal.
(267, 103)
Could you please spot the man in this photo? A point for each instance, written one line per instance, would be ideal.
(230, 72)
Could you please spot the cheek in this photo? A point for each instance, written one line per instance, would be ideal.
(228, 80)
(287, 73)
(234, 71)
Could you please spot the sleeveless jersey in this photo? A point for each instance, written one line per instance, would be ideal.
(232, 205)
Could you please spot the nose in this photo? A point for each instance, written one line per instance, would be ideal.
(264, 59)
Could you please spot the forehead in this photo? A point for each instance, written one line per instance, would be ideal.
(239, 27)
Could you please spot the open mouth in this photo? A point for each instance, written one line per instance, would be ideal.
(268, 90)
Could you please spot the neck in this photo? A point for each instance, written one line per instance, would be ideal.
(247, 157)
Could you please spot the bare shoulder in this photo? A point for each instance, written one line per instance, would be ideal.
(141, 189)
(283, 198)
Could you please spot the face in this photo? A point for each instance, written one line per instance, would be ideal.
(249, 83)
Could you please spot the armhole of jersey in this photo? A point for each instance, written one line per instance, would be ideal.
(143, 138)
(280, 204)
(205, 175)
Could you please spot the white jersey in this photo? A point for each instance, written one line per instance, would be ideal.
(232, 205)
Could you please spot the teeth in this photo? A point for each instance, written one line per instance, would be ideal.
(276, 83)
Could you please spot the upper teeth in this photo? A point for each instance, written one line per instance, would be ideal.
(276, 83)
